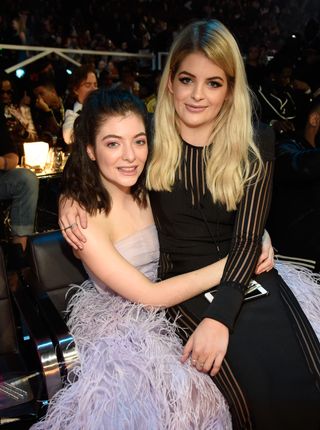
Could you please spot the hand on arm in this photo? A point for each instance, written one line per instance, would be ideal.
(266, 259)
(71, 214)
(104, 261)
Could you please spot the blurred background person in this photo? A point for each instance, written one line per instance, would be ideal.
(49, 112)
(17, 114)
(128, 78)
(295, 211)
(83, 82)
(21, 186)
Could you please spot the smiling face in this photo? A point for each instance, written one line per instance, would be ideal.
(120, 151)
(199, 89)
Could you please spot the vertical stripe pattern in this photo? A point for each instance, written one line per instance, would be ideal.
(224, 380)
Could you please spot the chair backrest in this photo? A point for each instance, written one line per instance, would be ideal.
(8, 339)
(54, 266)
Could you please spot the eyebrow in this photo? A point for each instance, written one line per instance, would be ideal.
(184, 72)
(114, 136)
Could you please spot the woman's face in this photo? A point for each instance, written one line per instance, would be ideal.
(120, 151)
(199, 89)
(86, 87)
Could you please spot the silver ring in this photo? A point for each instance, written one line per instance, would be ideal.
(70, 226)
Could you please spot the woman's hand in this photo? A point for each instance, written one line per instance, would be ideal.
(266, 259)
(70, 213)
(207, 345)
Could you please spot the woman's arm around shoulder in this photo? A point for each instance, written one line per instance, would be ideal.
(107, 264)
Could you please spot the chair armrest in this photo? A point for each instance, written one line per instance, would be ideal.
(45, 347)
(57, 328)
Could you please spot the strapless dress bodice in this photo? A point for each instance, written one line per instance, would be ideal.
(141, 249)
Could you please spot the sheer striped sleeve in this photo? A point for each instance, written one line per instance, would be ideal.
(245, 248)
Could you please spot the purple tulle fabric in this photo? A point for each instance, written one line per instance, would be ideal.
(129, 375)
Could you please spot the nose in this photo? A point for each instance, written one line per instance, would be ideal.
(197, 93)
(128, 153)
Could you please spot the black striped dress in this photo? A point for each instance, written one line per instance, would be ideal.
(271, 373)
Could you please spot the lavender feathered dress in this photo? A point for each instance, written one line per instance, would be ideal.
(129, 375)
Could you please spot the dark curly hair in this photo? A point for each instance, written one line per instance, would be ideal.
(81, 177)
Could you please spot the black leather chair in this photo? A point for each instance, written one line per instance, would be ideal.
(29, 369)
(53, 267)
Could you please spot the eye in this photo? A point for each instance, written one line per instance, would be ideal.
(214, 84)
(141, 142)
(185, 80)
(112, 144)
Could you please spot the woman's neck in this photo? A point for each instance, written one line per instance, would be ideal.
(197, 136)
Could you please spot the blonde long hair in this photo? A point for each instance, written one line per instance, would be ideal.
(229, 159)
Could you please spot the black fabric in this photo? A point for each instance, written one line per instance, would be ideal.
(295, 210)
(184, 216)
(268, 368)
(266, 360)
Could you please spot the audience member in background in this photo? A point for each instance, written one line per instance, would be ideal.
(49, 112)
(151, 100)
(21, 187)
(127, 78)
(83, 82)
(308, 67)
(255, 69)
(295, 210)
(276, 98)
(105, 79)
(17, 114)
(283, 98)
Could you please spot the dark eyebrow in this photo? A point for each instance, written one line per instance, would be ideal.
(114, 136)
(184, 72)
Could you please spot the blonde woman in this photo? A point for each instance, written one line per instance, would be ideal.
(210, 180)
(211, 192)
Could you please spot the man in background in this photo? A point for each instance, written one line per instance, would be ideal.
(21, 187)
(294, 220)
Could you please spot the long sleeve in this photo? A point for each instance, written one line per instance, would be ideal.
(245, 248)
